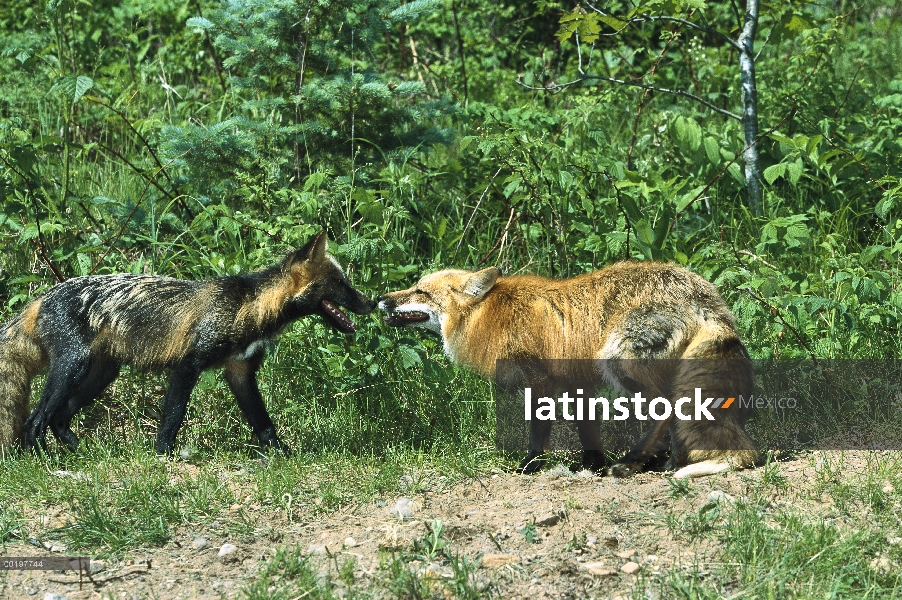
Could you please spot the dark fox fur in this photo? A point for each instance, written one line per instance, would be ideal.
(86, 328)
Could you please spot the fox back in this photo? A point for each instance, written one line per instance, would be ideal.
(627, 310)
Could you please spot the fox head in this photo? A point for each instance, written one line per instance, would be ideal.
(439, 299)
(321, 286)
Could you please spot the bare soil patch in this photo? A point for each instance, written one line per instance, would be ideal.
(553, 535)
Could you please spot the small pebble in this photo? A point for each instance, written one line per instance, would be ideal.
(599, 569)
(719, 496)
(630, 567)
(549, 520)
(97, 566)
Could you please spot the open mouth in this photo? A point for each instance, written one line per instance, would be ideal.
(337, 318)
(400, 319)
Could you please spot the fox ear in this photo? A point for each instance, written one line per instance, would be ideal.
(481, 282)
(315, 249)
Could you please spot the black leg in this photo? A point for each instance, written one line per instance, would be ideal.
(184, 378)
(539, 434)
(101, 374)
(64, 378)
(241, 376)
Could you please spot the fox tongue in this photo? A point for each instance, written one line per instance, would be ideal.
(341, 320)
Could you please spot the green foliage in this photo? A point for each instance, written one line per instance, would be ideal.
(431, 546)
(585, 25)
(287, 574)
(197, 139)
(530, 533)
(304, 95)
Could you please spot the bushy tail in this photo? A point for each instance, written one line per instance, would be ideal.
(22, 357)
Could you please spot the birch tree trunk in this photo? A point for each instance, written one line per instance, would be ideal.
(746, 43)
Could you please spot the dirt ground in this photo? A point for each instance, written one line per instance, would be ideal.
(593, 537)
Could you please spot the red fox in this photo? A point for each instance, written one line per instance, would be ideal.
(629, 310)
(86, 328)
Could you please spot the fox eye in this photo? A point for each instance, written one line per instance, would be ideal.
(419, 291)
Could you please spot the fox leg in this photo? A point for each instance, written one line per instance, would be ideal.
(184, 378)
(64, 378)
(241, 375)
(590, 438)
(539, 434)
(101, 374)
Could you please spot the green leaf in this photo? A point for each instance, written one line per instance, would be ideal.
(512, 186)
(688, 197)
(794, 169)
(645, 238)
(796, 234)
(73, 87)
(66, 85)
(612, 22)
(630, 208)
(409, 356)
(29, 232)
(586, 25)
(774, 172)
(83, 83)
(84, 263)
(688, 133)
(712, 150)
(797, 24)
(884, 206)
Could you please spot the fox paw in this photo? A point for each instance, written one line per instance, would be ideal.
(593, 460)
(279, 446)
(69, 439)
(533, 463)
(622, 469)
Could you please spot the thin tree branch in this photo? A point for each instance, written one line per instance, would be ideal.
(137, 170)
(135, 131)
(460, 50)
(557, 87)
(510, 221)
(646, 18)
(216, 62)
(843, 150)
(42, 243)
(473, 214)
(125, 223)
(629, 225)
(645, 98)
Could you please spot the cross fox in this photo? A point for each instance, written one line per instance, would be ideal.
(86, 328)
(629, 310)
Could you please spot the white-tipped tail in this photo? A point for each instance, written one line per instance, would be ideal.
(701, 469)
